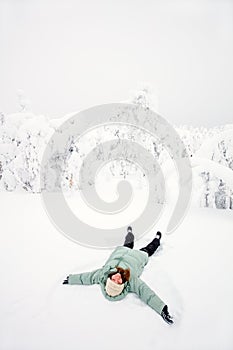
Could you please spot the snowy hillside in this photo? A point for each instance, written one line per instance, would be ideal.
(192, 271)
(24, 136)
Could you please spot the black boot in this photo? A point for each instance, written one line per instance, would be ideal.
(158, 235)
(129, 239)
(166, 316)
(153, 245)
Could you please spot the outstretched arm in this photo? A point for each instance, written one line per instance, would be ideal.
(147, 295)
(83, 278)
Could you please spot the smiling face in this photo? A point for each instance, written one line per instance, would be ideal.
(120, 276)
(117, 278)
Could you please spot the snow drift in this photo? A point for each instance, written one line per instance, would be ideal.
(192, 271)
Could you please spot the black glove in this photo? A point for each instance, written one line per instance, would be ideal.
(165, 315)
(66, 281)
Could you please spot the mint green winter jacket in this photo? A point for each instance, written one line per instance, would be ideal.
(124, 257)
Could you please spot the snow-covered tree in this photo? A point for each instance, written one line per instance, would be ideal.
(146, 96)
(23, 100)
(206, 193)
(2, 118)
(222, 199)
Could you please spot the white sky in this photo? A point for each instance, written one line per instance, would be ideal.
(68, 55)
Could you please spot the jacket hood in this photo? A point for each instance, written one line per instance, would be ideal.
(107, 269)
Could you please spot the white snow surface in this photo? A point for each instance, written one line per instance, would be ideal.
(191, 271)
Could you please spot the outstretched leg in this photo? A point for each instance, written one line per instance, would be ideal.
(129, 238)
(153, 245)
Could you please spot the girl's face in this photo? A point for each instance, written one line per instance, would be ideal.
(117, 278)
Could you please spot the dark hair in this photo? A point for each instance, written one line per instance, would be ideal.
(125, 274)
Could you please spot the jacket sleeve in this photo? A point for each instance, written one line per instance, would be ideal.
(147, 295)
(85, 277)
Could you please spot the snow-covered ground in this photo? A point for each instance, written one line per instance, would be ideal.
(192, 271)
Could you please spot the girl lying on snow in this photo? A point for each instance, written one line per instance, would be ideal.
(120, 275)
